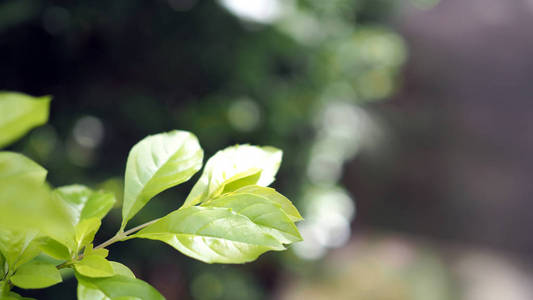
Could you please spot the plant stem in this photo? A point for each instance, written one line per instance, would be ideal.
(122, 235)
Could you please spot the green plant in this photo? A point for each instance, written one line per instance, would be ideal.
(230, 215)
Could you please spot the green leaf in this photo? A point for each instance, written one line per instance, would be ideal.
(121, 269)
(100, 251)
(117, 287)
(3, 270)
(85, 203)
(94, 266)
(36, 275)
(54, 248)
(28, 205)
(243, 179)
(272, 195)
(18, 247)
(19, 113)
(235, 166)
(212, 235)
(157, 163)
(15, 165)
(86, 208)
(260, 209)
(14, 296)
(85, 232)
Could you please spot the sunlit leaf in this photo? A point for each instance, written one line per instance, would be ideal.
(15, 165)
(117, 287)
(94, 266)
(256, 205)
(19, 113)
(272, 195)
(36, 275)
(235, 166)
(212, 235)
(157, 163)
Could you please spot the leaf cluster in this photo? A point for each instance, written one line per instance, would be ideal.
(230, 215)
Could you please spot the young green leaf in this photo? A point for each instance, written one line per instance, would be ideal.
(260, 209)
(157, 163)
(90, 251)
(85, 203)
(27, 205)
(117, 287)
(272, 195)
(19, 113)
(86, 208)
(18, 246)
(54, 248)
(15, 165)
(121, 269)
(94, 266)
(236, 166)
(212, 235)
(36, 275)
(85, 232)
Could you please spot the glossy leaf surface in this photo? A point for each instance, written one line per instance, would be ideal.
(19, 113)
(212, 235)
(36, 275)
(238, 165)
(157, 163)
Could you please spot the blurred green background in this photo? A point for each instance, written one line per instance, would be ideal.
(418, 113)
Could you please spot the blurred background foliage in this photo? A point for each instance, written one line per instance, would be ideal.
(311, 77)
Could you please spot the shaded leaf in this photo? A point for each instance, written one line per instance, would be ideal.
(19, 113)
(236, 166)
(212, 235)
(94, 266)
(15, 296)
(36, 275)
(54, 248)
(157, 163)
(117, 287)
